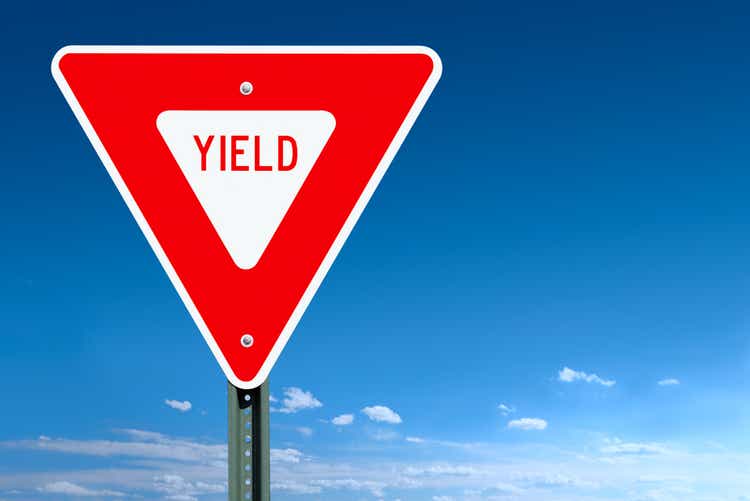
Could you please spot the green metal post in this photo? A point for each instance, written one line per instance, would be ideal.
(262, 444)
(249, 445)
(235, 445)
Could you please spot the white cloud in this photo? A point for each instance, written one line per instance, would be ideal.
(144, 435)
(450, 444)
(441, 470)
(183, 406)
(177, 488)
(551, 479)
(669, 382)
(528, 424)
(567, 375)
(295, 487)
(506, 410)
(296, 399)
(305, 431)
(502, 490)
(629, 470)
(286, 455)
(70, 489)
(343, 420)
(618, 447)
(145, 445)
(443, 498)
(383, 435)
(381, 414)
(374, 487)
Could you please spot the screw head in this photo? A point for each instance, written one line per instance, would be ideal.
(246, 88)
(247, 340)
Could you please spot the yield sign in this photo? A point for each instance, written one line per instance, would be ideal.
(246, 168)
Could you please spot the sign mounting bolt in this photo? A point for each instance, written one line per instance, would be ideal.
(247, 340)
(246, 88)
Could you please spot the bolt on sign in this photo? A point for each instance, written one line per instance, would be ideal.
(246, 168)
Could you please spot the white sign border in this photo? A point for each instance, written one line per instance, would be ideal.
(346, 228)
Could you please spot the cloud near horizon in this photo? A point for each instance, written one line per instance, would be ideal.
(70, 489)
(143, 465)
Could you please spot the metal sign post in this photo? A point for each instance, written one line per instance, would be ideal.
(249, 449)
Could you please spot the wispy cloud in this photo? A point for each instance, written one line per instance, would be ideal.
(304, 431)
(66, 488)
(383, 435)
(500, 490)
(177, 488)
(144, 445)
(374, 487)
(440, 470)
(669, 382)
(144, 435)
(450, 444)
(286, 455)
(618, 447)
(182, 406)
(295, 487)
(497, 471)
(506, 410)
(551, 479)
(343, 420)
(568, 375)
(295, 400)
(528, 424)
(382, 414)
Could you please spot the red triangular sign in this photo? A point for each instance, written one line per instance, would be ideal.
(246, 168)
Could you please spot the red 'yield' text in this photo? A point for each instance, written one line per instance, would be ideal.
(232, 151)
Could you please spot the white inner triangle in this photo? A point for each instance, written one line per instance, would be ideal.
(246, 206)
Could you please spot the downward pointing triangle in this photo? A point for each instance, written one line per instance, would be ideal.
(245, 206)
(246, 250)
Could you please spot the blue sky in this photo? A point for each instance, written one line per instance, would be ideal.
(564, 228)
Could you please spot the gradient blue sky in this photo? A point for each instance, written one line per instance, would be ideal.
(574, 195)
